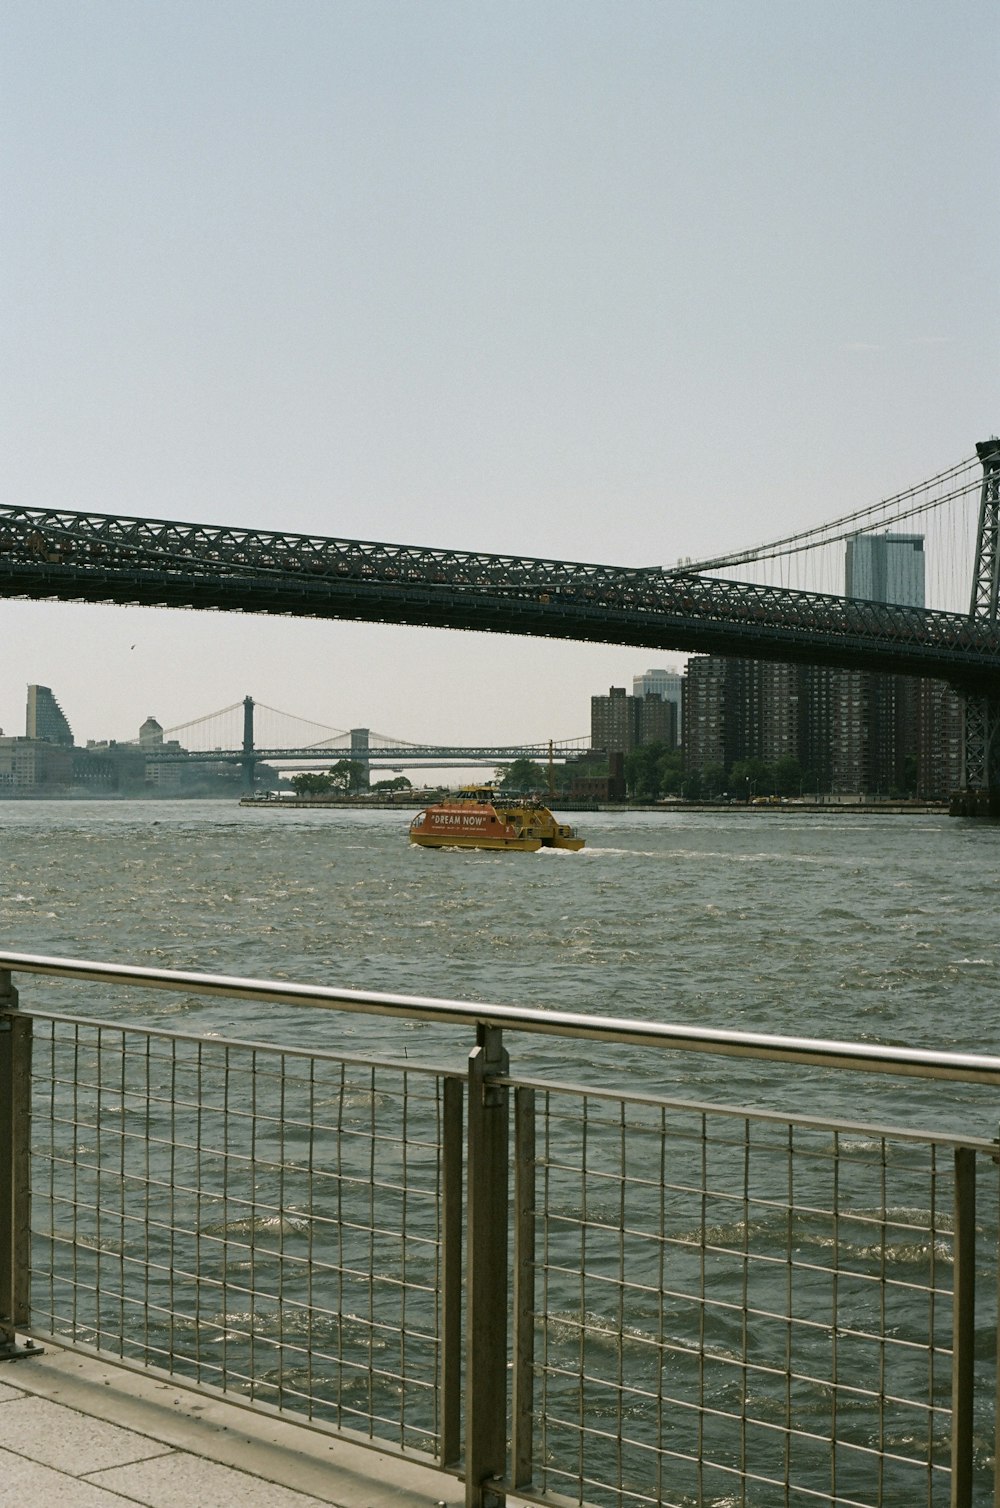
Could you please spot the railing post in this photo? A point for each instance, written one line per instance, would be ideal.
(15, 1173)
(963, 1327)
(522, 1399)
(996, 1354)
(486, 1334)
(453, 1153)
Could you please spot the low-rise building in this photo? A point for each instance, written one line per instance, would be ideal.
(29, 764)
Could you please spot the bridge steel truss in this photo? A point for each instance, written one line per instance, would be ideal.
(54, 554)
(981, 747)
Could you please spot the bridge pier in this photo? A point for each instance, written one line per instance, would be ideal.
(983, 805)
(979, 795)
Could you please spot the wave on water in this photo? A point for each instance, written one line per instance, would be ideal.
(590, 854)
(706, 855)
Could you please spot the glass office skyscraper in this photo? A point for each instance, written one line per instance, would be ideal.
(886, 568)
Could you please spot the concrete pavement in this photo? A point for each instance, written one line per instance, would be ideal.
(77, 1433)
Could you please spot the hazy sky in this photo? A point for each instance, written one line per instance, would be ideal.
(604, 281)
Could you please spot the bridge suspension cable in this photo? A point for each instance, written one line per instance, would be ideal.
(838, 529)
(307, 722)
(196, 722)
(941, 515)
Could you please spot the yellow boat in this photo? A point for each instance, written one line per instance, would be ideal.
(480, 817)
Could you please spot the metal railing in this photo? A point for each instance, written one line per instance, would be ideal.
(577, 1292)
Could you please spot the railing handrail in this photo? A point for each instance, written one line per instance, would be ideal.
(913, 1062)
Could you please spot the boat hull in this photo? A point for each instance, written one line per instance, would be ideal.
(456, 840)
(479, 818)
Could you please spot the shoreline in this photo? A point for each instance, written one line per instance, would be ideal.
(850, 807)
(828, 808)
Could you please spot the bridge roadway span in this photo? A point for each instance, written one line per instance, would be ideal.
(401, 754)
(94, 557)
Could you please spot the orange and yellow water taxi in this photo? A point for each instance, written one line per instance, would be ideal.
(480, 817)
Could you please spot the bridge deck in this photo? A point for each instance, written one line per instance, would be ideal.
(67, 556)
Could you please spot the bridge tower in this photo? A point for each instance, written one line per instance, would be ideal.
(248, 763)
(361, 752)
(980, 793)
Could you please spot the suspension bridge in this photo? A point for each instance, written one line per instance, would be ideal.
(762, 603)
(233, 735)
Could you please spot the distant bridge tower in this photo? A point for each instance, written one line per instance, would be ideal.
(361, 752)
(248, 763)
(980, 794)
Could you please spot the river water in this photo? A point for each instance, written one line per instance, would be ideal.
(862, 927)
(859, 927)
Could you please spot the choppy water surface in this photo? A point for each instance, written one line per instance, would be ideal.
(856, 927)
(876, 928)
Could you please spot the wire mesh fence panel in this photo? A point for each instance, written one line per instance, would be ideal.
(262, 1220)
(738, 1310)
(708, 1305)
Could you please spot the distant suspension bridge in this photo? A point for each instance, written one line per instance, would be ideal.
(230, 736)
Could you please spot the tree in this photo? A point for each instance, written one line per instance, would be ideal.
(307, 783)
(749, 778)
(640, 774)
(593, 765)
(400, 783)
(562, 777)
(672, 772)
(651, 769)
(788, 776)
(905, 786)
(691, 786)
(523, 775)
(347, 775)
(713, 781)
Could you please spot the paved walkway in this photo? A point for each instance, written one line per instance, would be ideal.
(75, 1433)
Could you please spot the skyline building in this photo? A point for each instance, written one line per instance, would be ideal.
(940, 730)
(875, 715)
(709, 737)
(778, 692)
(738, 709)
(151, 735)
(657, 720)
(45, 720)
(668, 684)
(46, 761)
(620, 723)
(611, 722)
(853, 732)
(30, 764)
(886, 568)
